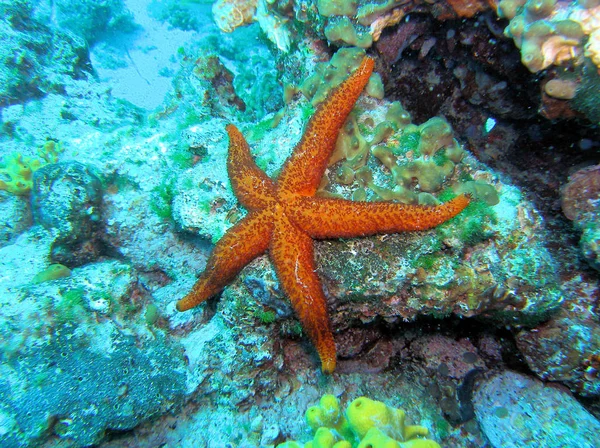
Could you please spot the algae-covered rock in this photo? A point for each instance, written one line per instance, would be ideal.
(36, 57)
(66, 197)
(579, 200)
(101, 357)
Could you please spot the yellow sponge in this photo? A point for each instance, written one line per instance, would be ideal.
(18, 174)
(367, 424)
(328, 414)
(364, 414)
(375, 438)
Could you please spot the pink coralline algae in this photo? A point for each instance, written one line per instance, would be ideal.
(580, 196)
(580, 199)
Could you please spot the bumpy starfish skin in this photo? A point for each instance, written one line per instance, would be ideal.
(285, 216)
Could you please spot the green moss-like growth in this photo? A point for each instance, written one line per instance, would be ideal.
(258, 131)
(409, 141)
(426, 261)
(266, 316)
(162, 199)
(70, 305)
(472, 224)
(182, 158)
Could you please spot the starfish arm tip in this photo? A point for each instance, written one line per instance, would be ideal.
(185, 304)
(328, 365)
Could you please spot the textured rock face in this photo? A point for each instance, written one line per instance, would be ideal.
(76, 362)
(38, 57)
(66, 198)
(579, 200)
(65, 387)
(518, 411)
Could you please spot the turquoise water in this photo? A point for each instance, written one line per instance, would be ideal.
(120, 174)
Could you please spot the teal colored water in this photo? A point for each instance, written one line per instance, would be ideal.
(445, 325)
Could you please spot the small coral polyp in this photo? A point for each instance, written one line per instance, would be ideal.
(366, 423)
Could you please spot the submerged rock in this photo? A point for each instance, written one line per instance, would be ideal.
(516, 411)
(66, 198)
(37, 58)
(79, 359)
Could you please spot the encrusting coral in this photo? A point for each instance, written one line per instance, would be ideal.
(286, 216)
(365, 424)
(551, 33)
(18, 170)
(18, 173)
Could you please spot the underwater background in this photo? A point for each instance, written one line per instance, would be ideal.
(483, 331)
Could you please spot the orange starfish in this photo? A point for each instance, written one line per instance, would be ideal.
(285, 216)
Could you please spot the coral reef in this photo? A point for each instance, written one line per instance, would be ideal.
(421, 320)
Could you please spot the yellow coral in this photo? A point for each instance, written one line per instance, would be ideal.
(375, 438)
(328, 414)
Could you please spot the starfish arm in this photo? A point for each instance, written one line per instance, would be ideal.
(339, 218)
(245, 241)
(303, 171)
(292, 254)
(253, 189)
